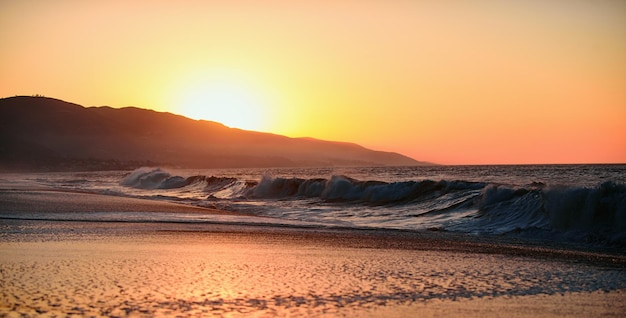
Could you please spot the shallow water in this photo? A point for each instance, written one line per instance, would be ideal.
(583, 204)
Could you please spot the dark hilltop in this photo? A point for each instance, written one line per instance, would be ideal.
(46, 134)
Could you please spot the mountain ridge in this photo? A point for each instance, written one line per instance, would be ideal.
(42, 133)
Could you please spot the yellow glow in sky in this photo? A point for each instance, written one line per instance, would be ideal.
(222, 97)
(451, 82)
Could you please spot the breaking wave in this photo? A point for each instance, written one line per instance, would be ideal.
(597, 213)
(158, 179)
(345, 189)
(569, 212)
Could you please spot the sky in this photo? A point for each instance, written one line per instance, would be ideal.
(449, 82)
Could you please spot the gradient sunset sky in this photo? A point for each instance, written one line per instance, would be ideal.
(451, 82)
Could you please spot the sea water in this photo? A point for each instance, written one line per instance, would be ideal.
(570, 203)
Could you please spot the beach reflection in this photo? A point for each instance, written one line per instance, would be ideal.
(187, 274)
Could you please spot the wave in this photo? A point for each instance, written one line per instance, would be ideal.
(345, 189)
(573, 213)
(158, 179)
(149, 179)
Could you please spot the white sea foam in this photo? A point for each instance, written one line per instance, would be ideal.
(531, 201)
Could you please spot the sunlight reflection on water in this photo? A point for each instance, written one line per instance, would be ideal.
(184, 274)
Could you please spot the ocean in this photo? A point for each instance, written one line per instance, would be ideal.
(580, 204)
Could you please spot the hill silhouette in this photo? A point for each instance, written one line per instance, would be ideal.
(40, 133)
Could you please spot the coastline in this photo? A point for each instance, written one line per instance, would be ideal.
(239, 268)
(53, 206)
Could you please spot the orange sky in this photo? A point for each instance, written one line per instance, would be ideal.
(440, 81)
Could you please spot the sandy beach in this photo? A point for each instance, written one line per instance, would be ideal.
(236, 267)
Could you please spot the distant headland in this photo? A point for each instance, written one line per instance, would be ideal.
(46, 134)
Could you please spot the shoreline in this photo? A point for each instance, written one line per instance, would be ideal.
(21, 205)
(43, 200)
(235, 273)
(225, 268)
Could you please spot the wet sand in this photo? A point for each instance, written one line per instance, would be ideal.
(58, 268)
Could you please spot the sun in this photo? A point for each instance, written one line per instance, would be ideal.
(233, 103)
